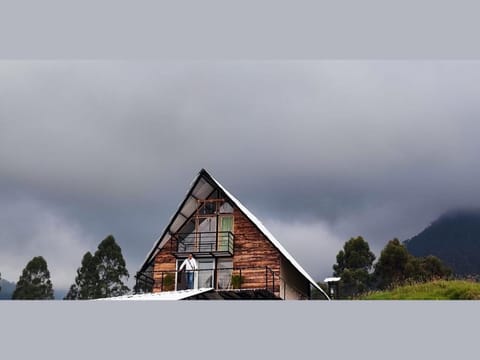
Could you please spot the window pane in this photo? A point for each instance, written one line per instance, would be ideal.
(224, 273)
(205, 273)
(226, 208)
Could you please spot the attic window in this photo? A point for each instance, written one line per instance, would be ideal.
(212, 207)
(226, 208)
(207, 208)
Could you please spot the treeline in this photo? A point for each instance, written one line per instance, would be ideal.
(395, 266)
(100, 275)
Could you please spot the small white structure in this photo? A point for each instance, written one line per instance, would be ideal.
(332, 283)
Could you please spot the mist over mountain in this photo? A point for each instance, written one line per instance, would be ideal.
(455, 238)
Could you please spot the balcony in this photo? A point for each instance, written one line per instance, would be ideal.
(220, 279)
(215, 243)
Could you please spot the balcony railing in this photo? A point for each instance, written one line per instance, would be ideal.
(247, 278)
(212, 243)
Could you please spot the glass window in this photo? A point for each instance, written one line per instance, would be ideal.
(226, 208)
(207, 224)
(207, 208)
(186, 238)
(224, 273)
(224, 235)
(205, 273)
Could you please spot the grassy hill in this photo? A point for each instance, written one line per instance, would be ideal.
(435, 290)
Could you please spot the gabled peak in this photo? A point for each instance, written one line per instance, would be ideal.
(206, 174)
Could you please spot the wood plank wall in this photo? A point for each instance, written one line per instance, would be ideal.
(253, 249)
(164, 261)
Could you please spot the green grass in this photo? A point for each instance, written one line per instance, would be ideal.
(435, 290)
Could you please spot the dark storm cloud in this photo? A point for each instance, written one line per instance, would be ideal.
(328, 150)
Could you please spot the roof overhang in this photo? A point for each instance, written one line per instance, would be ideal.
(162, 296)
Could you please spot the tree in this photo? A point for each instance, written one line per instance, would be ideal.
(0, 281)
(431, 268)
(353, 265)
(427, 269)
(397, 266)
(72, 293)
(111, 269)
(34, 283)
(102, 274)
(393, 263)
(86, 281)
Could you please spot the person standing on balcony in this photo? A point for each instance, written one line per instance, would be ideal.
(190, 265)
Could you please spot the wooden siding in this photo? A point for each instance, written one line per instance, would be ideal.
(253, 250)
(164, 261)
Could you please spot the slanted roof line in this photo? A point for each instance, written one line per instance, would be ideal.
(158, 244)
(268, 234)
(172, 218)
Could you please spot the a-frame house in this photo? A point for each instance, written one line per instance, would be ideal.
(237, 257)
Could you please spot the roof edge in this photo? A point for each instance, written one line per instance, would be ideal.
(263, 229)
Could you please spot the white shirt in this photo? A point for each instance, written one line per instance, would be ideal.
(190, 264)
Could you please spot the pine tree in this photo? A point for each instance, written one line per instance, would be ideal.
(111, 269)
(0, 281)
(86, 281)
(102, 274)
(72, 293)
(34, 283)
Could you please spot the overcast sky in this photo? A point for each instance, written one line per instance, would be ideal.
(319, 151)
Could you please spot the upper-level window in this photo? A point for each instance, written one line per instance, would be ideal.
(207, 208)
(226, 208)
(213, 207)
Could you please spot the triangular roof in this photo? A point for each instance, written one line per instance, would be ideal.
(201, 187)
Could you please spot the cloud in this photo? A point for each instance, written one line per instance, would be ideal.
(313, 245)
(343, 148)
(29, 229)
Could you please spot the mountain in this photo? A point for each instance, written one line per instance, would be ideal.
(455, 238)
(7, 289)
(60, 293)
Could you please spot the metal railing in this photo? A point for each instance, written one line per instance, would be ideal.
(203, 242)
(246, 278)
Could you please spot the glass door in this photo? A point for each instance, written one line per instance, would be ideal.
(180, 277)
(204, 278)
(206, 236)
(224, 273)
